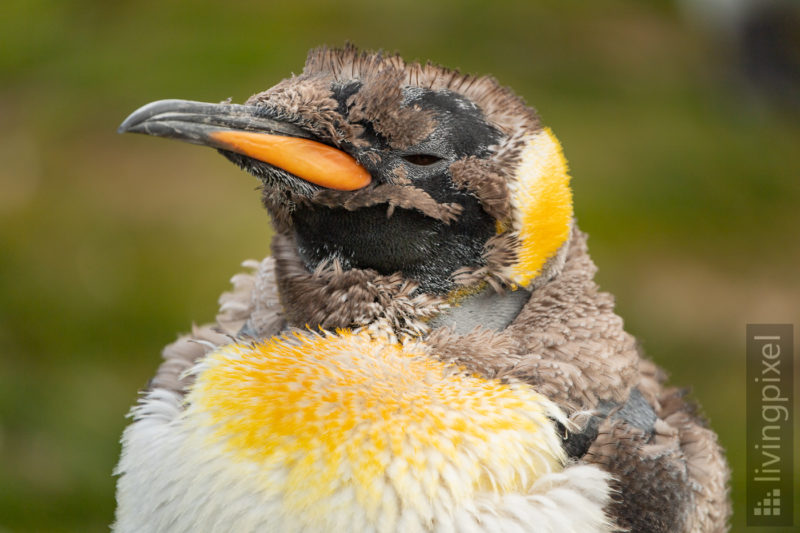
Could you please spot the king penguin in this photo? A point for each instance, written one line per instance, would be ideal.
(425, 350)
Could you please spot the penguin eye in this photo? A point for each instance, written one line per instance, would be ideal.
(422, 159)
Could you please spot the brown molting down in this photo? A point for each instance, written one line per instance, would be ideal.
(279, 204)
(258, 314)
(582, 352)
(652, 380)
(507, 156)
(482, 351)
(567, 341)
(680, 468)
(650, 476)
(406, 197)
(331, 297)
(705, 460)
(308, 98)
(500, 105)
(237, 306)
(499, 254)
(309, 101)
(380, 101)
(486, 179)
(400, 176)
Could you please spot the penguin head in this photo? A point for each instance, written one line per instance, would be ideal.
(375, 163)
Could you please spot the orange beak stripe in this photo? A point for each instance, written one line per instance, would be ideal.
(312, 161)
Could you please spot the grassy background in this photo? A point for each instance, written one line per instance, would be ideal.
(110, 245)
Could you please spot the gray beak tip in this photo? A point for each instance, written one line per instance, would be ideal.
(193, 121)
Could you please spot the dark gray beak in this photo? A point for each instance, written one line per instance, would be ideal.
(248, 131)
(193, 121)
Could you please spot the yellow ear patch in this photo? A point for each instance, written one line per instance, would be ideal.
(327, 415)
(542, 204)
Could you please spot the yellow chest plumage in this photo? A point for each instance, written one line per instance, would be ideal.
(348, 432)
(325, 414)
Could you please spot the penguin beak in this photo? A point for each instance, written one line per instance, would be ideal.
(246, 130)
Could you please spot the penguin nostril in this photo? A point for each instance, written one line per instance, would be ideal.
(422, 159)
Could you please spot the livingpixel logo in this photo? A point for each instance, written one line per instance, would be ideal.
(770, 424)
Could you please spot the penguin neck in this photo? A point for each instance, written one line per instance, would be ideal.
(335, 297)
(332, 297)
(376, 237)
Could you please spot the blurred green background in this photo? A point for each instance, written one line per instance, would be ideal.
(686, 176)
